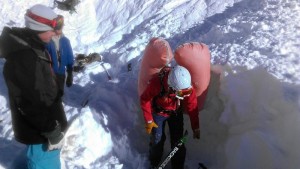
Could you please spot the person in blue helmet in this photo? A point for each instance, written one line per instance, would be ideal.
(167, 96)
(61, 53)
(38, 117)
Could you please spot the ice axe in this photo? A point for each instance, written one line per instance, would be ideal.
(107, 73)
(99, 58)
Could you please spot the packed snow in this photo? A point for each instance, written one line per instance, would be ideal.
(251, 117)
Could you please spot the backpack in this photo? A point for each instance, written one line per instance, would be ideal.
(162, 73)
(163, 91)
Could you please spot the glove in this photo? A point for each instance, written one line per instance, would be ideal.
(55, 138)
(69, 80)
(149, 126)
(196, 134)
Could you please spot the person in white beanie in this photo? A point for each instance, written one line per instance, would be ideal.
(38, 117)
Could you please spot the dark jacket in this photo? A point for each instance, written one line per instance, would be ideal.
(32, 87)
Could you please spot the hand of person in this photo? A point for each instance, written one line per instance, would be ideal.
(69, 81)
(196, 134)
(149, 126)
(55, 138)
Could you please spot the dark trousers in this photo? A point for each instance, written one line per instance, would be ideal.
(158, 137)
(61, 83)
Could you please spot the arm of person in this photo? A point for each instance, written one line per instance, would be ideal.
(152, 90)
(69, 53)
(192, 109)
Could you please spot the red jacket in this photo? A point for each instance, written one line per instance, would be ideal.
(168, 101)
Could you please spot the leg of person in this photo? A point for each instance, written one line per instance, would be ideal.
(39, 158)
(61, 83)
(175, 123)
(157, 140)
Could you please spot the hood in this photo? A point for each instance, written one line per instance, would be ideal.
(16, 39)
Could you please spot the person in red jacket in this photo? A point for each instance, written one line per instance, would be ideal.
(164, 100)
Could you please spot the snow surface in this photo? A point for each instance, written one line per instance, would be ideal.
(250, 120)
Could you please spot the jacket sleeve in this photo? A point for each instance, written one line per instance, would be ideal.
(191, 106)
(150, 92)
(69, 53)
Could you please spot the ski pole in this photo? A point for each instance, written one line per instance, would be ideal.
(173, 151)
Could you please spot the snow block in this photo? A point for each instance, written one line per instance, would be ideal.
(157, 54)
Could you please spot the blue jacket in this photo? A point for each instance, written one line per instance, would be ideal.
(66, 53)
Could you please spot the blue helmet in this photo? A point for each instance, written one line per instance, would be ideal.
(179, 78)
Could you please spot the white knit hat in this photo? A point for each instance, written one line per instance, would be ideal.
(41, 11)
